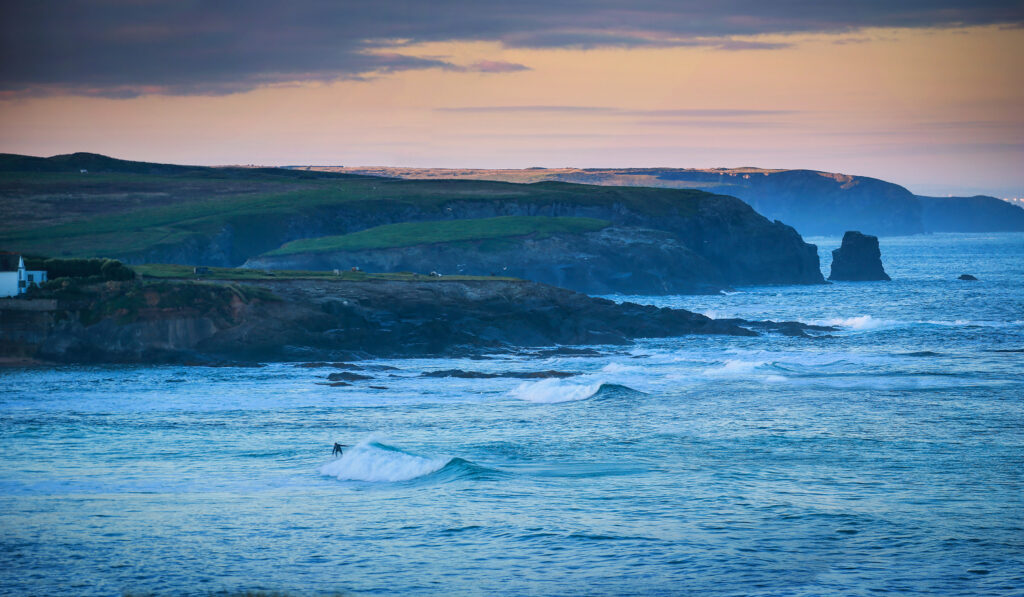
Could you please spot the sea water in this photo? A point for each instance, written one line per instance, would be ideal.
(885, 457)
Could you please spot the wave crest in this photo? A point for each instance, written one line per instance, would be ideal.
(861, 322)
(553, 391)
(376, 462)
(733, 368)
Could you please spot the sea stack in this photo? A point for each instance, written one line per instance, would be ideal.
(858, 259)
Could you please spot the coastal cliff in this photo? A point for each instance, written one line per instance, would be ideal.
(147, 213)
(815, 203)
(611, 259)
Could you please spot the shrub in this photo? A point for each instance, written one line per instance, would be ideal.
(104, 269)
(72, 268)
(113, 269)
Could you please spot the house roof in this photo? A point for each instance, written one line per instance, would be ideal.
(9, 262)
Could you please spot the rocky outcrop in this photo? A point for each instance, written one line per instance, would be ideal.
(967, 278)
(858, 259)
(616, 259)
(287, 320)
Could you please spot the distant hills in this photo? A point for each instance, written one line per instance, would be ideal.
(815, 203)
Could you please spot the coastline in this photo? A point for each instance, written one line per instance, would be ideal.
(281, 319)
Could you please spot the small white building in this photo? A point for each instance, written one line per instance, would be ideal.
(14, 278)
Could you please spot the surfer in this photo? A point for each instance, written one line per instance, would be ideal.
(337, 449)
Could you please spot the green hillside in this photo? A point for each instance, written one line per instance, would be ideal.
(172, 271)
(130, 209)
(444, 231)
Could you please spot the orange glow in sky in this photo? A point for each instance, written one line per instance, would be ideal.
(937, 110)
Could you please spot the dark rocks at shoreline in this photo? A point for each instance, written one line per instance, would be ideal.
(326, 322)
(967, 277)
(785, 328)
(858, 259)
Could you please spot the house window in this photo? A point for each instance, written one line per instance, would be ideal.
(21, 283)
(31, 278)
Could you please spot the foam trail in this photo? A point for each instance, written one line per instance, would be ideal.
(862, 322)
(375, 462)
(551, 391)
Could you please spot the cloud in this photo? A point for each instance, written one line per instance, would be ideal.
(692, 113)
(496, 66)
(705, 112)
(738, 45)
(530, 109)
(715, 124)
(121, 48)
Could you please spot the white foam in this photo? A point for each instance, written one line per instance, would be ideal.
(862, 322)
(550, 391)
(620, 368)
(733, 368)
(374, 462)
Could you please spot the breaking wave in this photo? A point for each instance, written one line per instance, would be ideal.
(861, 322)
(375, 462)
(733, 368)
(553, 391)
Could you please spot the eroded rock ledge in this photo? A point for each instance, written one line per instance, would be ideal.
(291, 320)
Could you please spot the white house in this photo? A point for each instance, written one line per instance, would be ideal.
(14, 278)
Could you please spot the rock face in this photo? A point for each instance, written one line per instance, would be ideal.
(858, 259)
(617, 259)
(743, 247)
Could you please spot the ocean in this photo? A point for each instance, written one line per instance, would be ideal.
(886, 457)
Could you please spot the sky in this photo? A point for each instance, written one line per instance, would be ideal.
(925, 94)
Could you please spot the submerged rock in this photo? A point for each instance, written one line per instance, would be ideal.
(513, 374)
(347, 377)
(858, 259)
(322, 365)
(967, 277)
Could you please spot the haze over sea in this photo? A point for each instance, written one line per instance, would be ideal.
(886, 457)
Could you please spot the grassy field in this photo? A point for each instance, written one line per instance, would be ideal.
(171, 271)
(420, 233)
(122, 213)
